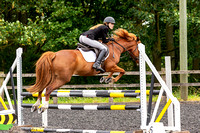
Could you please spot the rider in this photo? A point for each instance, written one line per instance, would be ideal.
(92, 36)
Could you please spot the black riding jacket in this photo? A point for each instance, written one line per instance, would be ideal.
(97, 33)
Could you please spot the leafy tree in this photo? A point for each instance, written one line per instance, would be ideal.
(43, 25)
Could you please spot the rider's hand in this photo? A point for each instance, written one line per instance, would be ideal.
(111, 39)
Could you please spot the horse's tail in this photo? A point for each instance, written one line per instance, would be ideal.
(44, 72)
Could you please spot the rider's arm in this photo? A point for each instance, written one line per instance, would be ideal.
(104, 35)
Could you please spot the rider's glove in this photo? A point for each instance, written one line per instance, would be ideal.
(111, 39)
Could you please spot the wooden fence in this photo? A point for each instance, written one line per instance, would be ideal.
(162, 73)
(112, 85)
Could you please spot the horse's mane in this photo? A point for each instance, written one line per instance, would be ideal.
(122, 33)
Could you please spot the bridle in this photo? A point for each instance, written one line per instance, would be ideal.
(132, 55)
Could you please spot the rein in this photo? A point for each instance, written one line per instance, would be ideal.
(134, 57)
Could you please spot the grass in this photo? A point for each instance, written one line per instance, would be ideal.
(191, 97)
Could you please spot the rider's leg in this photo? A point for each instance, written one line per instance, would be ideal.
(97, 64)
(95, 44)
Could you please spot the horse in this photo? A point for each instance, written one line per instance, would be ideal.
(54, 69)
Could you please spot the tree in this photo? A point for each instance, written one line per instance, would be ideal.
(44, 25)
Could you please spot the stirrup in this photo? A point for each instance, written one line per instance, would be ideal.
(98, 68)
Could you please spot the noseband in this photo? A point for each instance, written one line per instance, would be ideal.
(132, 55)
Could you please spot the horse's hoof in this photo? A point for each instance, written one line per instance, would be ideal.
(108, 80)
(34, 108)
(41, 110)
(102, 79)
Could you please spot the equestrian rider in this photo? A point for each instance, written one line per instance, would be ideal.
(92, 36)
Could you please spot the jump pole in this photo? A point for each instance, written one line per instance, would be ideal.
(36, 129)
(88, 107)
(91, 93)
(44, 114)
(19, 85)
(143, 103)
(4, 88)
(13, 90)
(144, 58)
(170, 113)
(150, 99)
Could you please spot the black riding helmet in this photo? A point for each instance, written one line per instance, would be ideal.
(109, 20)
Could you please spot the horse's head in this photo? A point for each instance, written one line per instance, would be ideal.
(130, 43)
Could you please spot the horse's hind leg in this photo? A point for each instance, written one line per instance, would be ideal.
(37, 104)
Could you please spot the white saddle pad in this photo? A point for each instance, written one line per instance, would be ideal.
(89, 56)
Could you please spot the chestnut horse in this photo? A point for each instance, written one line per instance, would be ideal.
(55, 69)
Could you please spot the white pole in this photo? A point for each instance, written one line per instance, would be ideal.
(19, 85)
(3, 87)
(8, 97)
(143, 88)
(169, 84)
(8, 76)
(156, 106)
(44, 114)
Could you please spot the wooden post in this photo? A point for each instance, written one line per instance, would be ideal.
(111, 84)
(1, 82)
(183, 47)
(164, 75)
(55, 100)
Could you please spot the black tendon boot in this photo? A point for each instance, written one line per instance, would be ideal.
(97, 64)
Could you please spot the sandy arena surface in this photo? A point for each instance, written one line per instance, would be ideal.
(126, 120)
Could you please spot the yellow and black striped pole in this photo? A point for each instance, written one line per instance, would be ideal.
(6, 120)
(38, 129)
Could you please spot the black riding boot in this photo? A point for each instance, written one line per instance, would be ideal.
(97, 64)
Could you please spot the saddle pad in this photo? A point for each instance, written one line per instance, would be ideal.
(89, 56)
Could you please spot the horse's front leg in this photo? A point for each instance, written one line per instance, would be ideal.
(45, 104)
(116, 69)
(37, 103)
(106, 79)
(110, 75)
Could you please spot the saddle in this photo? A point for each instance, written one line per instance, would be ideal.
(87, 48)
